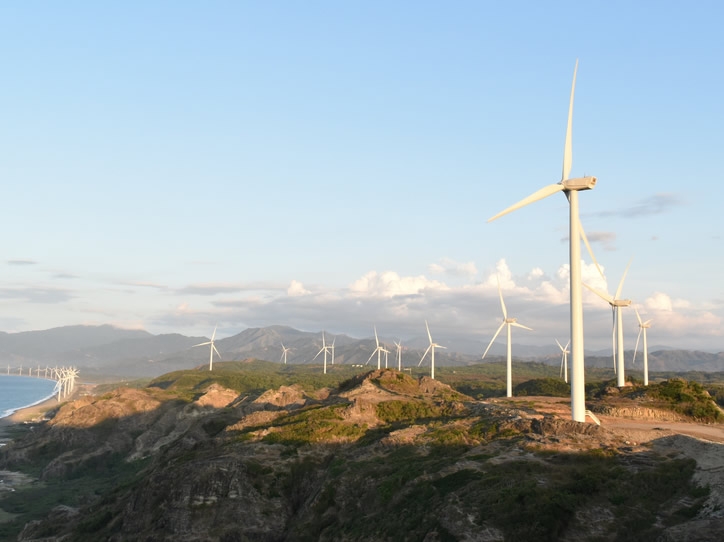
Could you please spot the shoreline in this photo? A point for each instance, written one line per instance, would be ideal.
(29, 414)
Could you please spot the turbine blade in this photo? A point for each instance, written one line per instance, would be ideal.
(620, 284)
(493, 339)
(516, 324)
(425, 354)
(637, 345)
(638, 317)
(568, 344)
(201, 344)
(371, 356)
(599, 293)
(568, 149)
(428, 332)
(376, 339)
(213, 335)
(588, 247)
(502, 303)
(315, 357)
(559, 345)
(215, 350)
(535, 196)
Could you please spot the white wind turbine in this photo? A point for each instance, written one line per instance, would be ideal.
(379, 350)
(570, 187)
(617, 334)
(564, 360)
(643, 326)
(398, 345)
(509, 322)
(430, 349)
(284, 353)
(212, 348)
(331, 348)
(324, 349)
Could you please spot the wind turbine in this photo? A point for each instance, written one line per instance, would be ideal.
(510, 322)
(377, 351)
(617, 334)
(643, 326)
(284, 353)
(324, 349)
(212, 348)
(399, 355)
(564, 360)
(570, 187)
(430, 349)
(331, 347)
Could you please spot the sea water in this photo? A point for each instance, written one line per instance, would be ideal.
(18, 392)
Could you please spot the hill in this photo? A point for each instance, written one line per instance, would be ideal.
(243, 455)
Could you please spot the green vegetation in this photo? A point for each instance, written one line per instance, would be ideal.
(688, 398)
(551, 387)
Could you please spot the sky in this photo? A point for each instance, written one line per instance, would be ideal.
(173, 166)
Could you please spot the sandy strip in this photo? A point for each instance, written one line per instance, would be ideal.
(33, 413)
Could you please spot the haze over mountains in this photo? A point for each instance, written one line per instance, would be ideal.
(118, 352)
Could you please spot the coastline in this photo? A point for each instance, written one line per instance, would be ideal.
(31, 413)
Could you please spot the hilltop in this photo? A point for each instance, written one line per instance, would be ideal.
(242, 455)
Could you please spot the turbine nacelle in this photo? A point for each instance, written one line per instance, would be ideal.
(581, 183)
(510, 320)
(621, 302)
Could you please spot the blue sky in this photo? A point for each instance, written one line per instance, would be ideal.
(330, 165)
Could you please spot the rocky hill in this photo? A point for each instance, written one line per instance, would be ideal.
(381, 456)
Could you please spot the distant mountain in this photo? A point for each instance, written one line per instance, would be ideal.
(106, 350)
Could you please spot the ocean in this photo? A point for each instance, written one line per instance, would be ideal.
(17, 392)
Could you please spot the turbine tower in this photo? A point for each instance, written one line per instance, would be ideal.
(331, 348)
(510, 322)
(617, 334)
(564, 360)
(377, 351)
(643, 326)
(284, 353)
(212, 348)
(430, 349)
(324, 349)
(570, 187)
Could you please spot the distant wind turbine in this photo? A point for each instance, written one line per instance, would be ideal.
(570, 187)
(643, 326)
(399, 355)
(212, 348)
(430, 349)
(617, 334)
(284, 353)
(509, 322)
(564, 360)
(324, 349)
(377, 351)
(331, 347)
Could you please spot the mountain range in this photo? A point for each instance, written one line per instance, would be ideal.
(111, 351)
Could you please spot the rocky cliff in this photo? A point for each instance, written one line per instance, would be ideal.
(381, 457)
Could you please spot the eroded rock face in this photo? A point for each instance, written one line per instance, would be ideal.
(637, 412)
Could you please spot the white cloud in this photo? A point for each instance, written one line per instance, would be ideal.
(296, 289)
(390, 284)
(659, 302)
